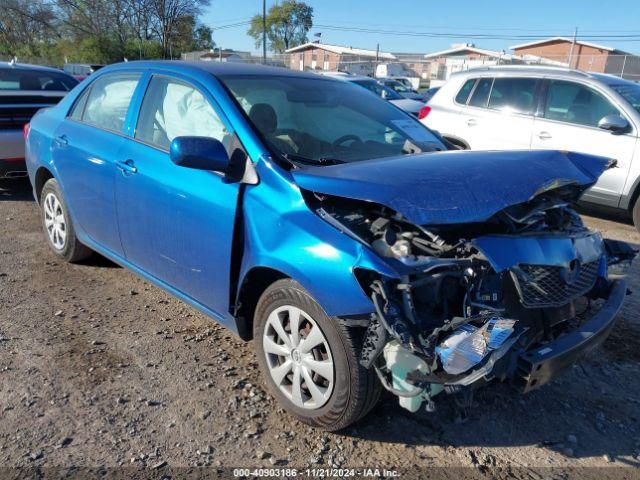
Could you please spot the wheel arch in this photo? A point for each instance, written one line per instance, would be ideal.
(43, 174)
(253, 285)
(633, 196)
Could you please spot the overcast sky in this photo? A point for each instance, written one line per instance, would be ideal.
(614, 24)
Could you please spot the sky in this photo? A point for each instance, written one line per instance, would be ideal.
(597, 21)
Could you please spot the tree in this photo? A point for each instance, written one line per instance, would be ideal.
(101, 31)
(203, 38)
(287, 25)
(168, 15)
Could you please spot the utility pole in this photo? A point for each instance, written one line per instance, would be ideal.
(264, 31)
(573, 44)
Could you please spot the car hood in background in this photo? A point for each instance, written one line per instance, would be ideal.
(413, 96)
(408, 105)
(454, 187)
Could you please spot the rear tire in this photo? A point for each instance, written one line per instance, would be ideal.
(57, 225)
(636, 214)
(347, 396)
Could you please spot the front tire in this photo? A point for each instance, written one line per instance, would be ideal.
(57, 224)
(309, 360)
(636, 214)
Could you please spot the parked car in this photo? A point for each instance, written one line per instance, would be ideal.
(402, 89)
(331, 228)
(80, 71)
(410, 106)
(429, 93)
(24, 89)
(548, 108)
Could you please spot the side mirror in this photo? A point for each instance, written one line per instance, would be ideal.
(201, 153)
(613, 123)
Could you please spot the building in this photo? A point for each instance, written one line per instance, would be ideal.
(463, 57)
(322, 56)
(581, 55)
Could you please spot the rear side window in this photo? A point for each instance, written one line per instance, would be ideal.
(513, 95)
(480, 95)
(463, 94)
(173, 109)
(35, 80)
(109, 99)
(78, 107)
(575, 103)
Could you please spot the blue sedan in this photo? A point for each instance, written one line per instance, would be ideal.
(330, 227)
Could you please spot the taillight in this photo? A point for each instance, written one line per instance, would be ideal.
(25, 130)
(424, 111)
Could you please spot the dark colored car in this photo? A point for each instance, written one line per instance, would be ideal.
(24, 89)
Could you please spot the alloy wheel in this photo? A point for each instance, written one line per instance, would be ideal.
(54, 221)
(298, 357)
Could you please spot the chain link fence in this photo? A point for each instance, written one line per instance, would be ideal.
(414, 66)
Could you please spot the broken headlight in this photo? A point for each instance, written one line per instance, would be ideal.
(469, 345)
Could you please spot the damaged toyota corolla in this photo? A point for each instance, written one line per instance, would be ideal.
(331, 228)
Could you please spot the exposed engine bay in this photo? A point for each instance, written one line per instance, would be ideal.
(480, 301)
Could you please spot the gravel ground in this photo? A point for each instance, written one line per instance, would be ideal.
(100, 370)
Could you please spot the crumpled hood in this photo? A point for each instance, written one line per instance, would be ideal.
(454, 187)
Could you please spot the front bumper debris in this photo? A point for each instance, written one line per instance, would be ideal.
(543, 364)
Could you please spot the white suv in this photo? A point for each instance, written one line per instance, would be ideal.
(509, 107)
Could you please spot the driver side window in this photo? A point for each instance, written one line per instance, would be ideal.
(172, 108)
(575, 103)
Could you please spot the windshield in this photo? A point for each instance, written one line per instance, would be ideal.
(322, 121)
(380, 90)
(630, 92)
(398, 87)
(15, 79)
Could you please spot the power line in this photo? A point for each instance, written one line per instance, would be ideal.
(479, 36)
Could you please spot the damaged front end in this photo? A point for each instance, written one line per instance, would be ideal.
(519, 297)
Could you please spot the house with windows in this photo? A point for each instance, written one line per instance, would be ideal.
(323, 56)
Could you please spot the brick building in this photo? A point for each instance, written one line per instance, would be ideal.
(322, 56)
(581, 55)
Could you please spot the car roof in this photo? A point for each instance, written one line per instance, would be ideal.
(534, 70)
(215, 68)
(26, 66)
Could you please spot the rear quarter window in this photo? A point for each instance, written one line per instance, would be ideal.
(463, 94)
(480, 95)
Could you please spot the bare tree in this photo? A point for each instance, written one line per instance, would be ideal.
(25, 24)
(168, 13)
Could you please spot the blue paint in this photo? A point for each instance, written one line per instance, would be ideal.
(177, 226)
(453, 187)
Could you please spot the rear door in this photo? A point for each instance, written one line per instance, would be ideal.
(569, 121)
(177, 223)
(499, 114)
(85, 150)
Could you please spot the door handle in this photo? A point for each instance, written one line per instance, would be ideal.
(62, 140)
(544, 135)
(471, 122)
(127, 166)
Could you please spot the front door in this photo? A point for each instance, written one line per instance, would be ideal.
(86, 148)
(177, 223)
(570, 122)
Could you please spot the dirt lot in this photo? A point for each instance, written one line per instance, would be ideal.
(101, 370)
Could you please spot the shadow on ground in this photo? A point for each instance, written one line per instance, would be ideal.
(18, 189)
